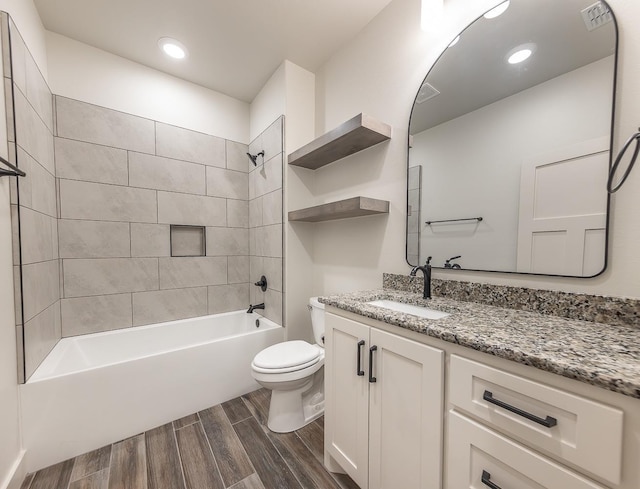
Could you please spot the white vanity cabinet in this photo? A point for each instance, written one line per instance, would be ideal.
(383, 407)
(551, 421)
(506, 425)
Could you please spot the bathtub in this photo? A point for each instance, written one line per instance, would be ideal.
(96, 389)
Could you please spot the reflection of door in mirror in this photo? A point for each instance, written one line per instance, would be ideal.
(483, 120)
(563, 212)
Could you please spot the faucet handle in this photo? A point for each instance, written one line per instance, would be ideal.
(428, 260)
(448, 263)
(262, 283)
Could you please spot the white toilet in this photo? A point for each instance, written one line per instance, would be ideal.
(294, 372)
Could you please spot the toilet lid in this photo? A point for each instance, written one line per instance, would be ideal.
(287, 354)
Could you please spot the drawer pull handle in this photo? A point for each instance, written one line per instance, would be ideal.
(371, 377)
(486, 480)
(547, 422)
(359, 370)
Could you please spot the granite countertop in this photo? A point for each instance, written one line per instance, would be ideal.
(603, 355)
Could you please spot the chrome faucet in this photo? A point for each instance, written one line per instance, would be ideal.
(426, 270)
(253, 308)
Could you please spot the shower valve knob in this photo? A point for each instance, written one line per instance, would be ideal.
(262, 283)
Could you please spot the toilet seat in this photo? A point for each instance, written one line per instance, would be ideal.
(288, 356)
(284, 370)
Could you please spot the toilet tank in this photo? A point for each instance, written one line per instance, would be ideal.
(317, 319)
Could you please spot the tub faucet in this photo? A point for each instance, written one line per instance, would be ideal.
(253, 308)
(426, 270)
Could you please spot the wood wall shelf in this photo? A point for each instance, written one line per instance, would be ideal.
(356, 134)
(342, 209)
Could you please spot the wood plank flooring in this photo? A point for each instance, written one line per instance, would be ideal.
(227, 446)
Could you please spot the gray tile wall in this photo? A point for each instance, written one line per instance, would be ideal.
(92, 219)
(265, 220)
(119, 192)
(34, 206)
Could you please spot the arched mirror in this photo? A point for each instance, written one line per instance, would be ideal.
(510, 139)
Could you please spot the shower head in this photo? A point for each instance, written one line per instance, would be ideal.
(253, 158)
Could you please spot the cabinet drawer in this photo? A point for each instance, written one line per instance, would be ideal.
(569, 427)
(479, 458)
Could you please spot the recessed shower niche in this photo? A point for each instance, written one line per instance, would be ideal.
(188, 240)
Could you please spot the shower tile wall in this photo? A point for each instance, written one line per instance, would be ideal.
(122, 181)
(33, 202)
(265, 219)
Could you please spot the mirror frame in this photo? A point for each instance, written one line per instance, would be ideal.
(611, 144)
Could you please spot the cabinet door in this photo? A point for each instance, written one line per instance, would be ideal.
(347, 396)
(406, 406)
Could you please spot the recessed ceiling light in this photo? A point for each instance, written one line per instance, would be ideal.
(520, 53)
(172, 48)
(454, 42)
(519, 56)
(495, 11)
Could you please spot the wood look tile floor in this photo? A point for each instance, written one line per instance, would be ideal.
(227, 446)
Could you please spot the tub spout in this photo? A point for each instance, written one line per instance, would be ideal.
(253, 308)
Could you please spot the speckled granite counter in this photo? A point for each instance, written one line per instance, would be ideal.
(606, 356)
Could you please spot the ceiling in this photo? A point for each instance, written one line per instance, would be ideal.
(474, 73)
(234, 45)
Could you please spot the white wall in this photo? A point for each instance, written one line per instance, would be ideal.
(27, 20)
(85, 73)
(472, 163)
(379, 72)
(12, 469)
(299, 237)
(10, 438)
(269, 104)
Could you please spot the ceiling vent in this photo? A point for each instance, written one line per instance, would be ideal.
(426, 92)
(596, 16)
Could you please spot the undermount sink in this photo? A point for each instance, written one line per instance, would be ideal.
(423, 312)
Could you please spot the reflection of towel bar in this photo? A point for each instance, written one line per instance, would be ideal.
(15, 173)
(478, 219)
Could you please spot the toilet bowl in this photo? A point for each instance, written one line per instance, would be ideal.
(294, 372)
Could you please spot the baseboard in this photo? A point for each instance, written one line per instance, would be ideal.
(16, 474)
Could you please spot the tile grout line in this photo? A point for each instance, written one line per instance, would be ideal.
(175, 439)
(210, 449)
(241, 444)
(109, 466)
(30, 482)
(75, 461)
(295, 476)
(185, 426)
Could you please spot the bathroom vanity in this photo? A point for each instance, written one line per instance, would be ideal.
(484, 397)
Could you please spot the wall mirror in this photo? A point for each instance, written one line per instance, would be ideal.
(510, 139)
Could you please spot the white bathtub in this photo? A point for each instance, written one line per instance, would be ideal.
(96, 389)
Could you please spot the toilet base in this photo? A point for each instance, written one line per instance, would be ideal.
(290, 410)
